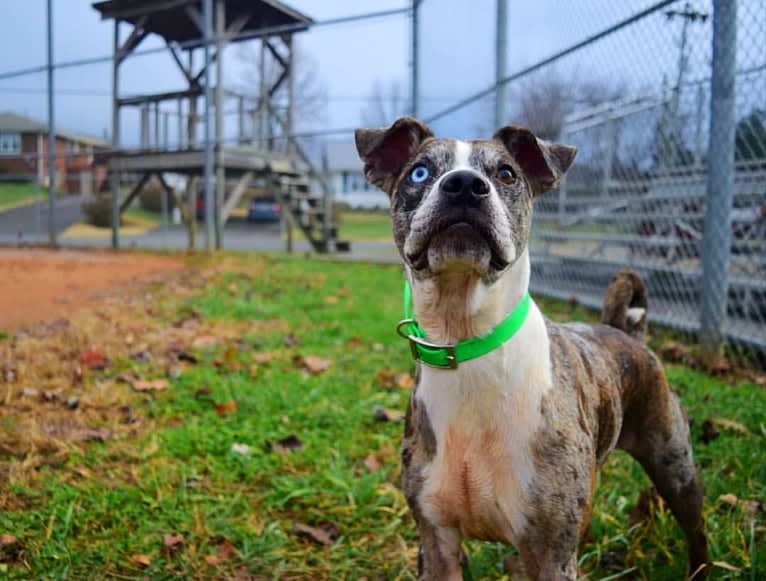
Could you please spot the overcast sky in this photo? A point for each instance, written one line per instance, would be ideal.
(456, 59)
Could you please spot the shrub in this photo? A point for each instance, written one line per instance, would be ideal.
(98, 211)
(150, 198)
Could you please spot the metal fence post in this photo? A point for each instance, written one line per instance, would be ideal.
(501, 54)
(115, 177)
(415, 79)
(51, 136)
(208, 171)
(720, 179)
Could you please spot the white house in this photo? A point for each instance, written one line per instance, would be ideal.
(343, 167)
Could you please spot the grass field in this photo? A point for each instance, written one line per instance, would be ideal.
(366, 226)
(216, 415)
(13, 194)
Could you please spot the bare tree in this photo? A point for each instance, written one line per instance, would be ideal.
(310, 97)
(543, 102)
(385, 104)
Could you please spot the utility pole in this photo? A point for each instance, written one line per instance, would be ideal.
(51, 136)
(688, 15)
(415, 81)
(501, 51)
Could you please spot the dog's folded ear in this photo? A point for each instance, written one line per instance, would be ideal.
(543, 162)
(385, 152)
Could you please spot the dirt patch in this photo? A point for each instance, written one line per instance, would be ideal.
(37, 285)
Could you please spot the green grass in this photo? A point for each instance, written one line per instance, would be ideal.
(145, 215)
(13, 194)
(179, 474)
(375, 226)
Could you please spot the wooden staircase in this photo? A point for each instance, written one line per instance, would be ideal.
(311, 213)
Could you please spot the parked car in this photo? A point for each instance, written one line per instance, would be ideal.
(264, 210)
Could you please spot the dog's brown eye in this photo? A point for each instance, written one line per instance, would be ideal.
(506, 174)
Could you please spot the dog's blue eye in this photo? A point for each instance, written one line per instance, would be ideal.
(419, 174)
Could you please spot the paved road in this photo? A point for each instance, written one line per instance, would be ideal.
(30, 223)
(238, 235)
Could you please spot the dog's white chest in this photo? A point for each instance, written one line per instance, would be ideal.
(484, 417)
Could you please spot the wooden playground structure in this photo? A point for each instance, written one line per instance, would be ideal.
(262, 152)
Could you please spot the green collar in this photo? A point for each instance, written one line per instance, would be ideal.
(448, 356)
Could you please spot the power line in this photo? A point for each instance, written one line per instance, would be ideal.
(107, 93)
(192, 44)
(551, 59)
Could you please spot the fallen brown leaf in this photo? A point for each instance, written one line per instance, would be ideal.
(324, 534)
(140, 560)
(354, 341)
(291, 340)
(8, 540)
(718, 366)
(226, 408)
(388, 415)
(263, 357)
(224, 553)
(287, 444)
(372, 463)
(253, 371)
(204, 341)
(172, 542)
(150, 385)
(405, 381)
(10, 547)
(730, 499)
(315, 365)
(94, 358)
(386, 378)
(90, 434)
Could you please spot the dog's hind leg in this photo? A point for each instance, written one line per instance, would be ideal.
(440, 557)
(656, 433)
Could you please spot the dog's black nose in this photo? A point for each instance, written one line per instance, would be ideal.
(465, 187)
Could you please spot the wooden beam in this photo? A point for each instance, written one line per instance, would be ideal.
(195, 16)
(187, 73)
(171, 96)
(172, 195)
(234, 29)
(275, 53)
(130, 11)
(282, 78)
(137, 35)
(135, 191)
(236, 194)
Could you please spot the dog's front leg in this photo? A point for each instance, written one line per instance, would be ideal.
(440, 557)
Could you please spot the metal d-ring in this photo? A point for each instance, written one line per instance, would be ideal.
(415, 341)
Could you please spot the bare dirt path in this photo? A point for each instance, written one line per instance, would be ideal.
(38, 284)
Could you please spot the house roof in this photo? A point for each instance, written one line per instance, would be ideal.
(175, 20)
(14, 123)
(341, 156)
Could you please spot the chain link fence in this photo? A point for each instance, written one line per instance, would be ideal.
(666, 102)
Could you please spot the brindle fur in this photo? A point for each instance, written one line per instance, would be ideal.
(608, 389)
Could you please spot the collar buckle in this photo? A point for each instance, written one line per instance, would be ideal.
(416, 342)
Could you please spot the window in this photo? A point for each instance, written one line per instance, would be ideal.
(10, 143)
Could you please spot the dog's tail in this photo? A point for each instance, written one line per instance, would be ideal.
(625, 304)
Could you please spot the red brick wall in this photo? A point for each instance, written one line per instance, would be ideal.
(69, 168)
